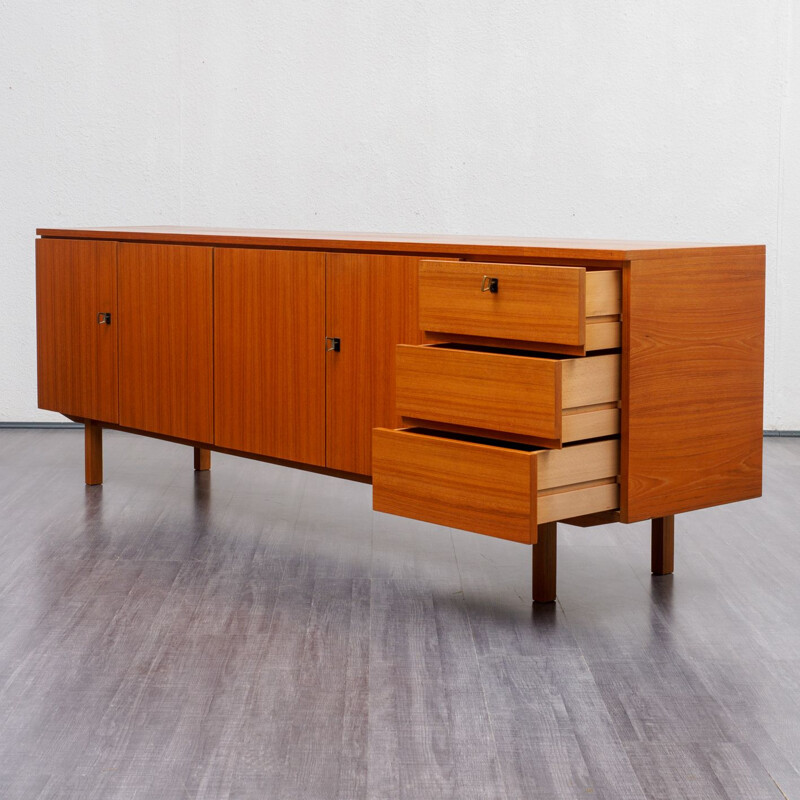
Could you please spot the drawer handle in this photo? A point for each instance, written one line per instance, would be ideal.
(489, 284)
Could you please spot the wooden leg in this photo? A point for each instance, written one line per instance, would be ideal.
(202, 459)
(94, 453)
(662, 554)
(544, 564)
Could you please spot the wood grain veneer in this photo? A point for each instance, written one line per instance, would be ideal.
(348, 407)
(502, 491)
(166, 370)
(692, 384)
(533, 303)
(77, 357)
(464, 485)
(269, 353)
(507, 392)
(371, 307)
(480, 389)
(496, 246)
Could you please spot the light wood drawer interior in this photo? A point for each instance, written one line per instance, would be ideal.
(490, 487)
(538, 395)
(567, 306)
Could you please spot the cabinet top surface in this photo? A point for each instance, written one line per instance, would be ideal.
(600, 249)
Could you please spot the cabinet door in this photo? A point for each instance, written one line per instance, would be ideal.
(77, 350)
(371, 308)
(269, 345)
(165, 340)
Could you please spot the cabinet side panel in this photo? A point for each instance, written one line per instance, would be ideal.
(77, 357)
(269, 353)
(692, 417)
(165, 340)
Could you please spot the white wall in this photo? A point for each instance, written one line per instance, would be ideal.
(660, 119)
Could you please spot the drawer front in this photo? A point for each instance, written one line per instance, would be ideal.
(507, 392)
(531, 303)
(500, 491)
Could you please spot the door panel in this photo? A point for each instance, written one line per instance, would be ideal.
(165, 340)
(371, 307)
(269, 311)
(77, 357)
(348, 385)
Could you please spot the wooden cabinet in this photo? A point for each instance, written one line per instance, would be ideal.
(76, 325)
(269, 353)
(536, 381)
(230, 347)
(165, 340)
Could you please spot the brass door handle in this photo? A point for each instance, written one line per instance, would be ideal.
(103, 318)
(332, 344)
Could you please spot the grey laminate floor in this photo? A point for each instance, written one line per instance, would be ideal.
(259, 632)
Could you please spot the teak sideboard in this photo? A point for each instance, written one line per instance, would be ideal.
(498, 385)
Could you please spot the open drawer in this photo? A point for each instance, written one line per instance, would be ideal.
(550, 305)
(496, 488)
(537, 395)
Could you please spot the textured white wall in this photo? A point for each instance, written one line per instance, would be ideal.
(630, 118)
